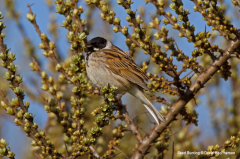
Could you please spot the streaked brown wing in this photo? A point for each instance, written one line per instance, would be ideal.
(121, 64)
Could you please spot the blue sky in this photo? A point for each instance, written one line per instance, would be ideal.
(14, 41)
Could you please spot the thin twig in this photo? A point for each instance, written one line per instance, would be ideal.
(121, 151)
(173, 149)
(94, 152)
(187, 74)
(67, 149)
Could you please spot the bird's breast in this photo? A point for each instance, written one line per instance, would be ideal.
(100, 74)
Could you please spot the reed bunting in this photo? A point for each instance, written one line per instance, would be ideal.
(107, 64)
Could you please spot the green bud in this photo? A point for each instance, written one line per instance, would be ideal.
(88, 1)
(82, 36)
(173, 6)
(103, 16)
(74, 125)
(227, 143)
(18, 79)
(146, 47)
(11, 56)
(1, 25)
(105, 8)
(116, 20)
(42, 133)
(28, 115)
(58, 67)
(68, 18)
(37, 135)
(2, 35)
(75, 12)
(44, 87)
(34, 143)
(146, 39)
(39, 143)
(188, 33)
(75, 89)
(31, 17)
(59, 8)
(26, 129)
(195, 8)
(20, 113)
(180, 18)
(210, 148)
(14, 102)
(12, 67)
(46, 108)
(124, 30)
(10, 154)
(138, 19)
(133, 45)
(51, 90)
(3, 104)
(65, 23)
(157, 35)
(157, 21)
(137, 30)
(81, 122)
(3, 142)
(59, 95)
(3, 56)
(35, 125)
(95, 1)
(83, 22)
(7, 76)
(151, 25)
(41, 46)
(128, 18)
(52, 45)
(43, 36)
(17, 90)
(70, 35)
(52, 102)
(119, 2)
(9, 111)
(115, 29)
(109, 19)
(128, 11)
(17, 122)
(1, 17)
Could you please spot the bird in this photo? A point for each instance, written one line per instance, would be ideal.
(108, 64)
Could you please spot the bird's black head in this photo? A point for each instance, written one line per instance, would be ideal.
(96, 43)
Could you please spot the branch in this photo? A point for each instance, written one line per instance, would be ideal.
(183, 100)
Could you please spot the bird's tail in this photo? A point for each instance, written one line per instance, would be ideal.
(150, 107)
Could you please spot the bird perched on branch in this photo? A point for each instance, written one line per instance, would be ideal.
(108, 64)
